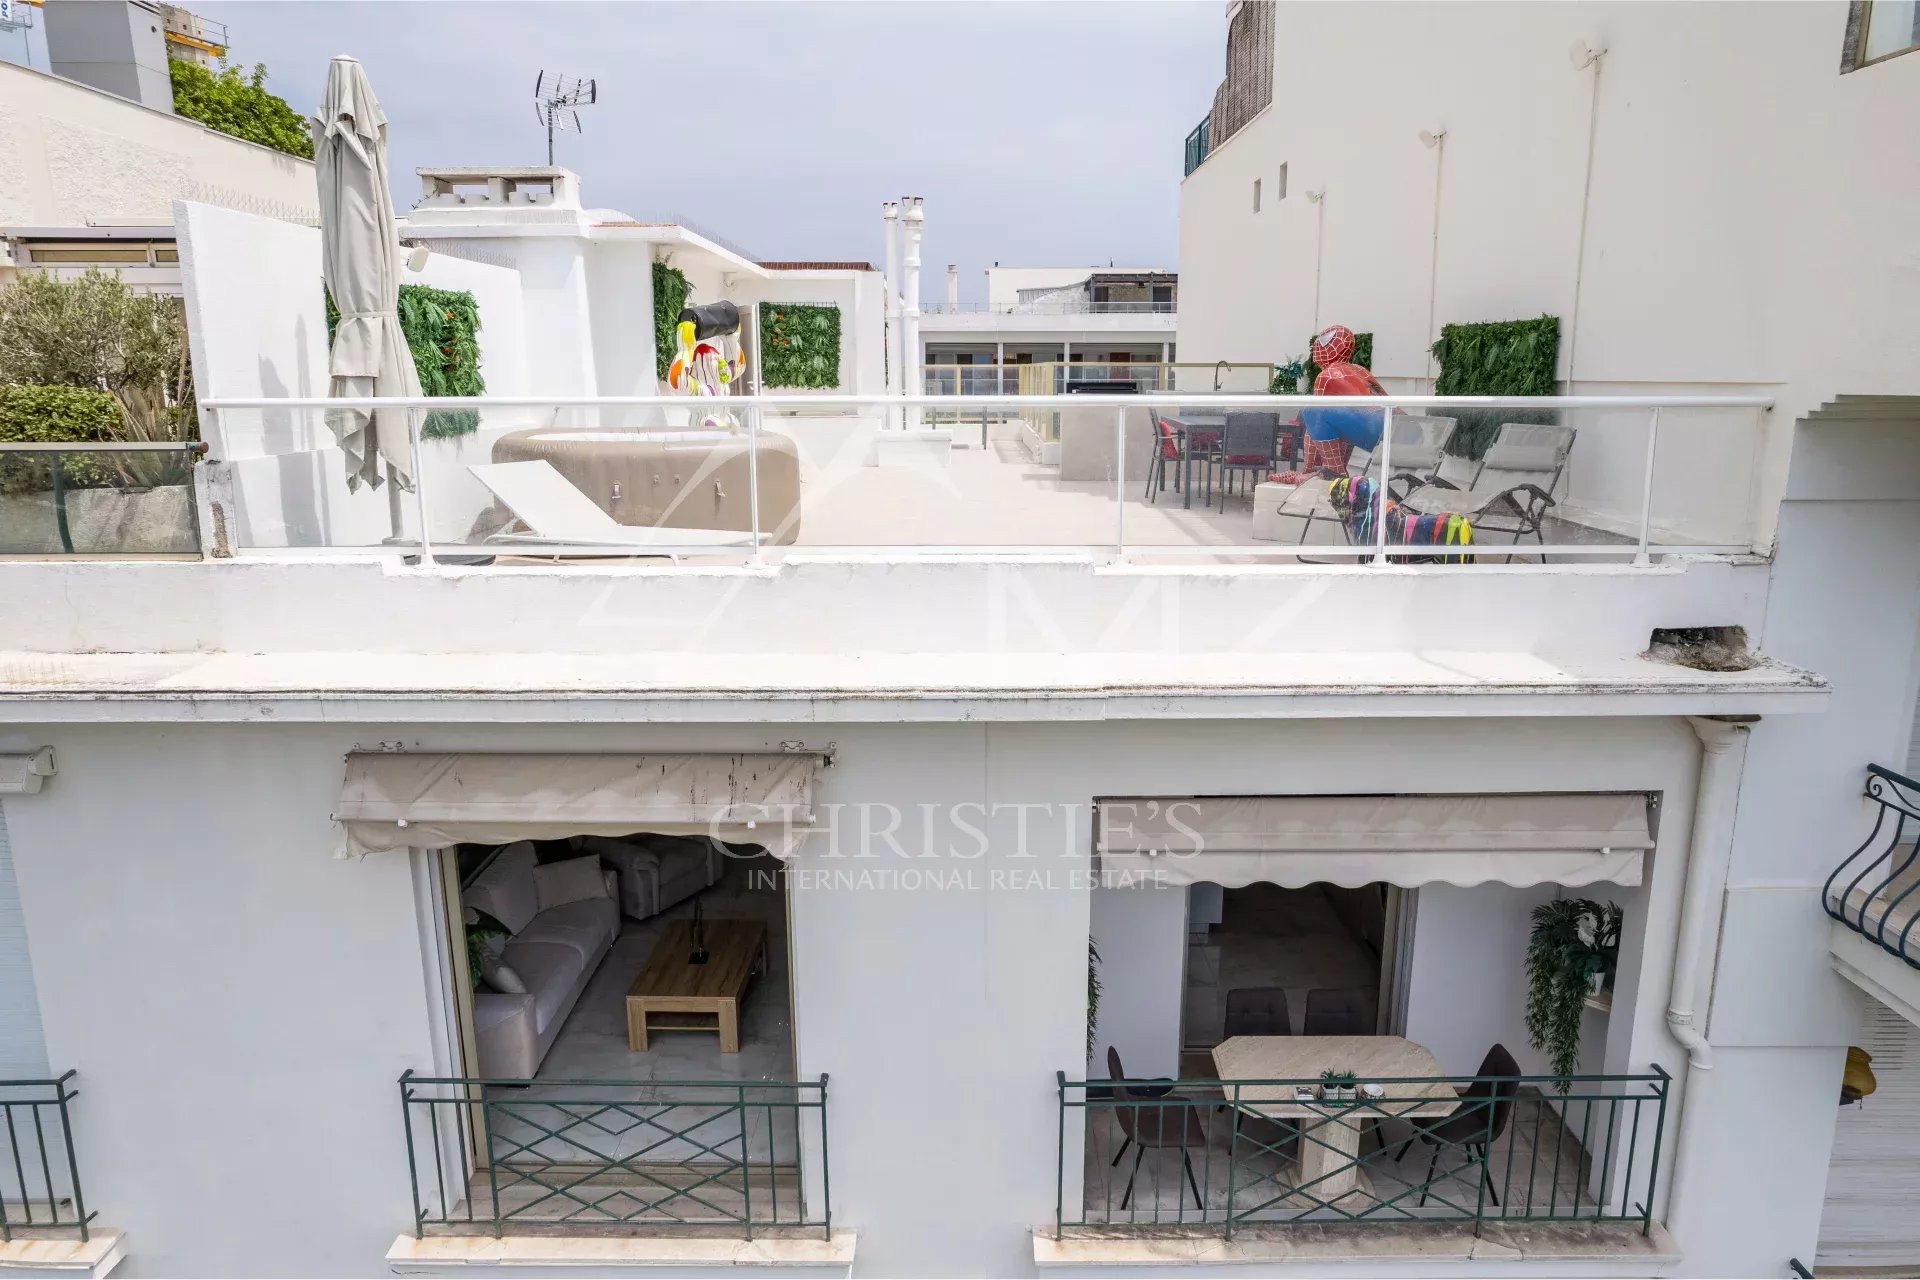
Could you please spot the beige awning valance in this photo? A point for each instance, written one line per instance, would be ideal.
(1353, 840)
(398, 800)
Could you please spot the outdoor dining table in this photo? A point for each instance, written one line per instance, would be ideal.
(1213, 427)
(1330, 1131)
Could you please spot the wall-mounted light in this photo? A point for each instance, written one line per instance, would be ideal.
(1431, 138)
(23, 774)
(1583, 55)
(1317, 196)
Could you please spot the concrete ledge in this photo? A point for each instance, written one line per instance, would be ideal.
(1615, 1249)
(682, 1253)
(96, 1256)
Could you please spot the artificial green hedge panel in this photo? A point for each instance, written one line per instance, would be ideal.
(799, 345)
(670, 291)
(440, 327)
(1497, 358)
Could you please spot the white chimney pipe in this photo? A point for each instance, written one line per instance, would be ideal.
(910, 363)
(953, 287)
(890, 211)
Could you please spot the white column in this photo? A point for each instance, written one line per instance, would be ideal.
(890, 211)
(913, 359)
(1000, 365)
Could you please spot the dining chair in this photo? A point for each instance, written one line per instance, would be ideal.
(1166, 452)
(1258, 1011)
(1249, 446)
(1164, 1125)
(1341, 1011)
(1476, 1124)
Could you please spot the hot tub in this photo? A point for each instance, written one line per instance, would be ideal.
(670, 478)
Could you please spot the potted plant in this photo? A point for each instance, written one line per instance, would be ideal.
(1339, 1086)
(1571, 953)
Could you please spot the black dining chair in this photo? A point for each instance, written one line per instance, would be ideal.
(1341, 1011)
(1258, 1011)
(1164, 1125)
(1476, 1124)
(1249, 447)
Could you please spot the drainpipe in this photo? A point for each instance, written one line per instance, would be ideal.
(912, 217)
(890, 211)
(1723, 750)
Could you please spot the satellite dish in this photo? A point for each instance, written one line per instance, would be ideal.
(1582, 55)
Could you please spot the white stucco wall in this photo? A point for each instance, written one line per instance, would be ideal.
(257, 324)
(1468, 982)
(862, 302)
(72, 155)
(297, 978)
(1804, 177)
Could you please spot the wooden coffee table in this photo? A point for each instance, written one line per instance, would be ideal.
(672, 995)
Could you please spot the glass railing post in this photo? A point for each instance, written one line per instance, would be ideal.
(1120, 482)
(753, 474)
(1646, 489)
(1380, 496)
(419, 489)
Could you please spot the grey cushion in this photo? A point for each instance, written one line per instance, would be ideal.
(549, 969)
(505, 889)
(588, 927)
(576, 879)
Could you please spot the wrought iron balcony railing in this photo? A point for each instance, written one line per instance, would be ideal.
(40, 1193)
(489, 1156)
(1873, 891)
(1191, 1153)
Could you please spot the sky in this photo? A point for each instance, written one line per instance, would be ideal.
(1040, 134)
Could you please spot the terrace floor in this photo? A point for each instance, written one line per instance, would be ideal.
(999, 495)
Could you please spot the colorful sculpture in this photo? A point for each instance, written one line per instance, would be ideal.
(708, 357)
(1355, 428)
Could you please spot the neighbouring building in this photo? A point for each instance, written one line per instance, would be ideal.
(1119, 322)
(94, 154)
(1017, 866)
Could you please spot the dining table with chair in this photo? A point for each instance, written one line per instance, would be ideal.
(1233, 442)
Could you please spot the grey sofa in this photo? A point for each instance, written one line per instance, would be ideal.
(554, 950)
(656, 872)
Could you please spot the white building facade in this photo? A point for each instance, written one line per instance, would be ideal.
(254, 800)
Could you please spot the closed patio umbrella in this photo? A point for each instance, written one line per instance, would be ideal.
(360, 258)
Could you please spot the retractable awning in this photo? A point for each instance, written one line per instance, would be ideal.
(399, 800)
(1521, 840)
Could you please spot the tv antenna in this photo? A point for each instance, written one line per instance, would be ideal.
(557, 100)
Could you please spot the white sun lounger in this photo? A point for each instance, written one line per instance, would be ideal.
(550, 511)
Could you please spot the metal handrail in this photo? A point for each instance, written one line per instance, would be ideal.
(1897, 800)
(103, 446)
(1613, 1160)
(488, 1154)
(26, 1142)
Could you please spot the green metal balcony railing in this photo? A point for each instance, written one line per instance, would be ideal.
(492, 1155)
(1161, 1153)
(1873, 892)
(1197, 144)
(40, 1193)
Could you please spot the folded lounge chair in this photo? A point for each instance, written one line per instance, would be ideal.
(549, 510)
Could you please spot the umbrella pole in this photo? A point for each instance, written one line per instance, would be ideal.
(394, 517)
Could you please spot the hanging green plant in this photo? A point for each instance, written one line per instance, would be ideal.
(1571, 954)
(440, 327)
(1500, 358)
(799, 345)
(670, 291)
